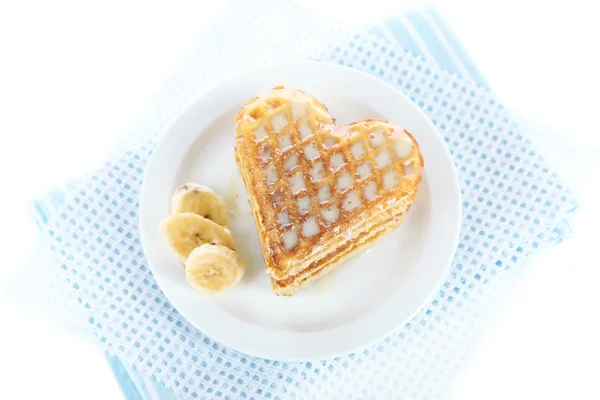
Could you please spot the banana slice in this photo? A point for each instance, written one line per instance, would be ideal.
(200, 200)
(186, 231)
(214, 268)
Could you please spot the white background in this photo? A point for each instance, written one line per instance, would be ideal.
(73, 75)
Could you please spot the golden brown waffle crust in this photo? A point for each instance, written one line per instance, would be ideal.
(270, 132)
(289, 287)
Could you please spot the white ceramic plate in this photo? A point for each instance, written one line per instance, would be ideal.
(360, 302)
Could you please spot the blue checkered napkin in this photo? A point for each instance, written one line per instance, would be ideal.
(513, 204)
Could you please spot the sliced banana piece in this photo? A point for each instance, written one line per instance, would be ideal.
(214, 268)
(186, 231)
(200, 200)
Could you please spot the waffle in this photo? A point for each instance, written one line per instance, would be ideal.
(320, 193)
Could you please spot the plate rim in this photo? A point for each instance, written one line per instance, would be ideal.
(456, 216)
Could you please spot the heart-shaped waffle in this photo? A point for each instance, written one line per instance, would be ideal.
(320, 193)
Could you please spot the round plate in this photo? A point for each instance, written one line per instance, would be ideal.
(361, 301)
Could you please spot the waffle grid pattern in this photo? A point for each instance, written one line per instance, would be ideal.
(312, 176)
(513, 204)
(287, 179)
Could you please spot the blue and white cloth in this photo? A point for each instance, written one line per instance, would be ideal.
(514, 203)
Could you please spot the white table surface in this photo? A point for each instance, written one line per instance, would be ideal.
(61, 64)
